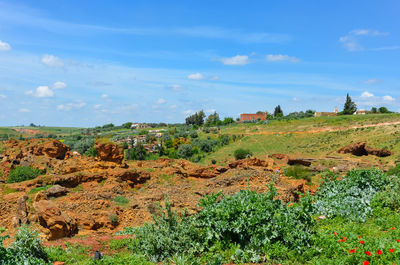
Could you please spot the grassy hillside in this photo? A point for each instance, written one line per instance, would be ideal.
(313, 137)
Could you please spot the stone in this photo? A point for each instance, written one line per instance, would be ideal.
(56, 191)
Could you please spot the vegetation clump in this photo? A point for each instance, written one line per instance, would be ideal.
(22, 173)
(241, 153)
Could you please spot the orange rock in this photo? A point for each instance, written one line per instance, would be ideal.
(109, 152)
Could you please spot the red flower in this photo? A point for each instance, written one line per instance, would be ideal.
(335, 233)
(398, 240)
(362, 242)
(368, 253)
(354, 251)
(379, 252)
(359, 237)
(391, 250)
(393, 228)
(366, 262)
(344, 238)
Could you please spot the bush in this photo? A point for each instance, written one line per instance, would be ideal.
(21, 173)
(388, 199)
(350, 197)
(394, 171)
(298, 172)
(185, 151)
(241, 153)
(26, 249)
(167, 236)
(91, 152)
(121, 200)
(205, 145)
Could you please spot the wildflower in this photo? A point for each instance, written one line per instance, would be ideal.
(359, 237)
(335, 233)
(362, 242)
(368, 253)
(391, 250)
(379, 252)
(393, 228)
(344, 238)
(354, 251)
(366, 262)
(398, 240)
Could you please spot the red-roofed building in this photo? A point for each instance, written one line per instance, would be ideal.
(253, 117)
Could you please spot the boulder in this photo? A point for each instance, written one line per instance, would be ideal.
(51, 148)
(57, 223)
(41, 195)
(21, 216)
(109, 152)
(56, 191)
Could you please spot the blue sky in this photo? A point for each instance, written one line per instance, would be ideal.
(87, 63)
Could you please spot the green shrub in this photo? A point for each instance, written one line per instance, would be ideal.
(388, 199)
(36, 190)
(298, 172)
(185, 151)
(113, 218)
(121, 200)
(350, 197)
(21, 173)
(91, 152)
(26, 249)
(241, 153)
(394, 171)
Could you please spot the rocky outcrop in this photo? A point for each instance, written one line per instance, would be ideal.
(21, 216)
(51, 148)
(56, 191)
(56, 223)
(361, 149)
(109, 152)
(253, 162)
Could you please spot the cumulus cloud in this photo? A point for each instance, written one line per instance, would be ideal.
(71, 106)
(366, 94)
(281, 58)
(372, 81)
(52, 61)
(161, 101)
(104, 96)
(351, 40)
(59, 85)
(24, 110)
(4, 46)
(388, 98)
(3, 96)
(41, 92)
(196, 76)
(236, 60)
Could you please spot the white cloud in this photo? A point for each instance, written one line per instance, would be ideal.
(97, 106)
(41, 92)
(210, 111)
(214, 77)
(59, 85)
(236, 60)
(295, 99)
(52, 61)
(3, 96)
(71, 106)
(161, 101)
(372, 81)
(188, 112)
(388, 98)
(24, 110)
(196, 76)
(350, 41)
(104, 96)
(176, 88)
(4, 46)
(173, 106)
(366, 94)
(281, 57)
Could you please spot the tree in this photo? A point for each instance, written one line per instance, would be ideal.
(127, 125)
(228, 120)
(196, 119)
(374, 110)
(278, 111)
(383, 110)
(185, 151)
(349, 106)
(213, 120)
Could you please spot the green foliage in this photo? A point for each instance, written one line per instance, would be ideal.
(21, 173)
(388, 199)
(127, 125)
(298, 172)
(168, 235)
(213, 120)
(241, 153)
(394, 171)
(278, 112)
(36, 190)
(91, 152)
(121, 200)
(383, 110)
(205, 145)
(26, 249)
(350, 197)
(349, 106)
(118, 244)
(251, 221)
(113, 218)
(136, 153)
(196, 119)
(79, 143)
(185, 150)
(193, 134)
(228, 120)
